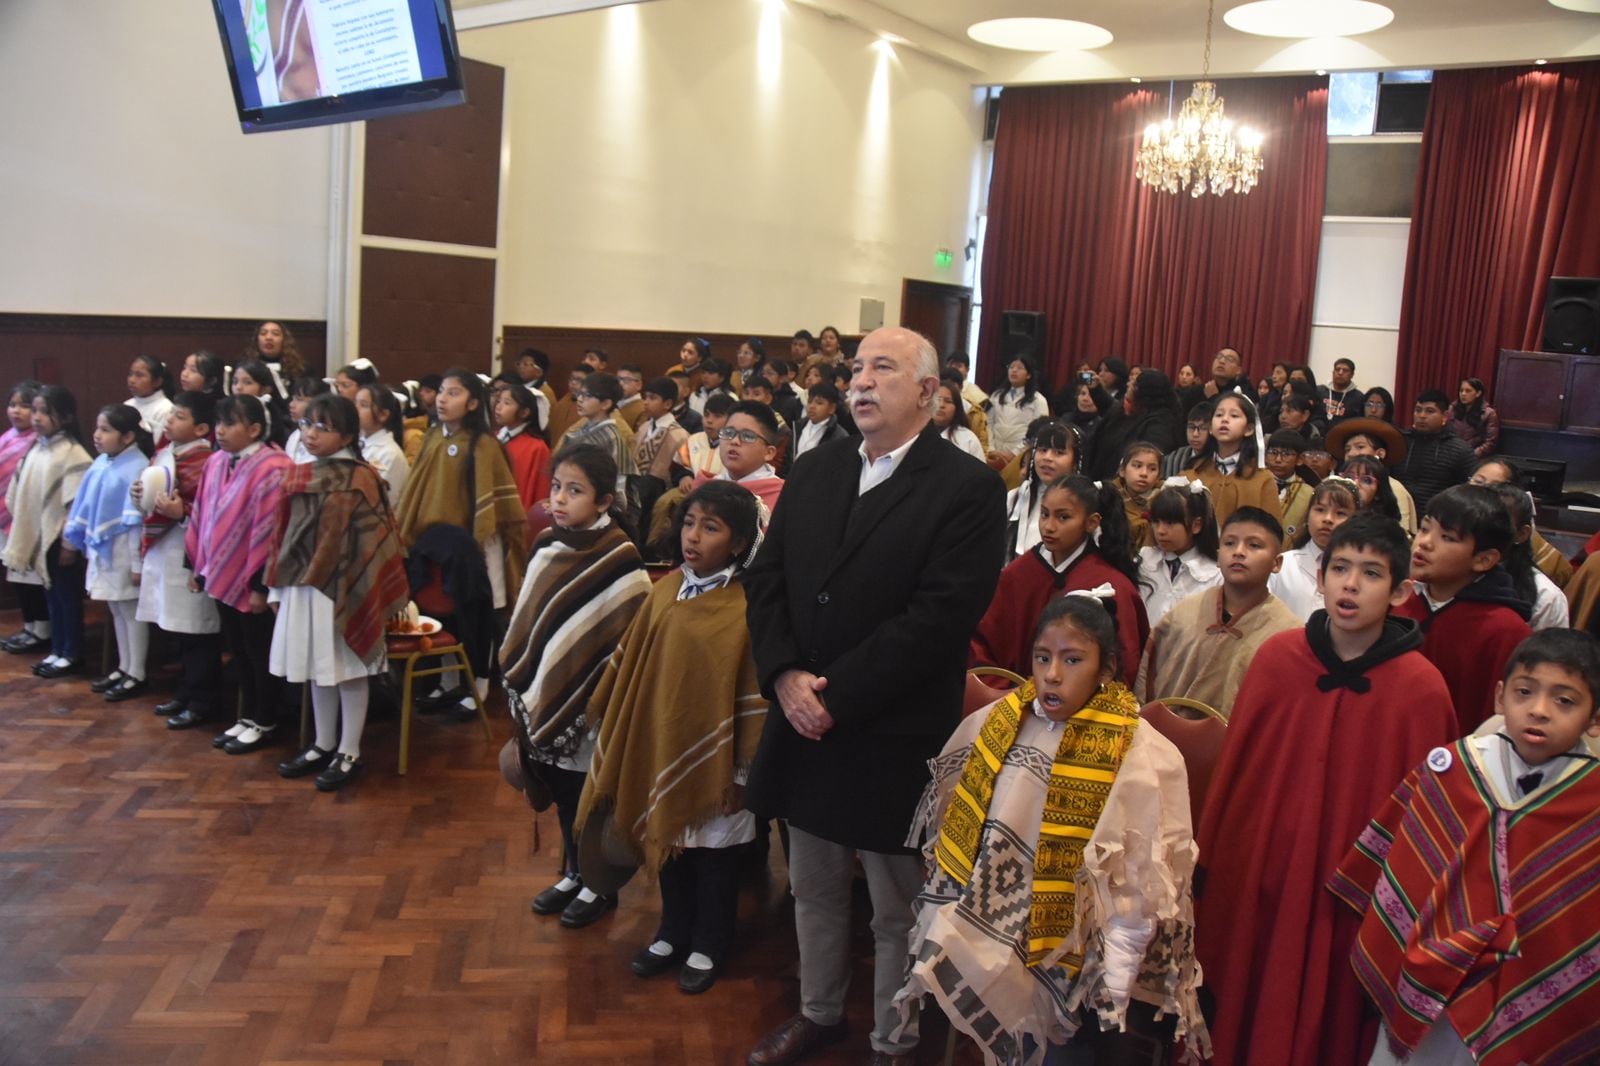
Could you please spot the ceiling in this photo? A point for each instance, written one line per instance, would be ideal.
(1162, 38)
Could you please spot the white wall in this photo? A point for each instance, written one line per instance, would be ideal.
(724, 165)
(1360, 270)
(126, 184)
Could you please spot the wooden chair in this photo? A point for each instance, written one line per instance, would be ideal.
(431, 599)
(1198, 740)
(980, 693)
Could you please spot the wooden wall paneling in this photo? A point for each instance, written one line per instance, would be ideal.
(424, 313)
(89, 354)
(652, 349)
(435, 175)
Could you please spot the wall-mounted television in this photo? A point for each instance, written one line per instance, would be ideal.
(297, 63)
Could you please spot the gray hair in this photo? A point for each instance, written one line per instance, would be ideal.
(928, 367)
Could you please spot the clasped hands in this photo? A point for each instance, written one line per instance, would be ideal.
(799, 696)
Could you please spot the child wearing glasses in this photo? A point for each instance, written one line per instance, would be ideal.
(599, 397)
(746, 446)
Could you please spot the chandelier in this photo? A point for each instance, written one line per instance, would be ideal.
(1202, 151)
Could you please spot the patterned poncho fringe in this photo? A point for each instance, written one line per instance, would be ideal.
(581, 593)
(679, 712)
(335, 534)
(13, 446)
(39, 496)
(189, 465)
(99, 510)
(229, 538)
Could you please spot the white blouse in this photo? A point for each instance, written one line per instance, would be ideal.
(1009, 417)
(1161, 591)
(1295, 583)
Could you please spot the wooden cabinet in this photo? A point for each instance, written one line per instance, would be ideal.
(1548, 391)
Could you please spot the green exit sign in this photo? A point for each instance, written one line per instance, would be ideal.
(942, 259)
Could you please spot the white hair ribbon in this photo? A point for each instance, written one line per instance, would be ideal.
(1103, 591)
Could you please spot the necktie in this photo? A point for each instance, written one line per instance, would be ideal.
(1174, 564)
(1528, 782)
(233, 461)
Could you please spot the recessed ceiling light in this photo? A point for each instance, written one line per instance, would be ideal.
(1540, 62)
(1039, 35)
(1322, 73)
(1136, 80)
(1316, 18)
(1591, 7)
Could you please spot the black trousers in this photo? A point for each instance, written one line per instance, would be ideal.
(566, 788)
(248, 638)
(198, 685)
(700, 900)
(32, 600)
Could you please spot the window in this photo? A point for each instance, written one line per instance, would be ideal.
(1361, 103)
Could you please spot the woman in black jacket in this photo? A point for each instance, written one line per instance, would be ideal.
(1149, 412)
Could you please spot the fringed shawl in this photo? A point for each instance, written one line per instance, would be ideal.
(188, 466)
(39, 496)
(437, 493)
(334, 533)
(13, 446)
(229, 538)
(100, 510)
(679, 711)
(582, 591)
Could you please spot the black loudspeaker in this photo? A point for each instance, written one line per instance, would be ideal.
(1572, 316)
(1021, 333)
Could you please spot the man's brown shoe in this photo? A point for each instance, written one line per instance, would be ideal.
(794, 1040)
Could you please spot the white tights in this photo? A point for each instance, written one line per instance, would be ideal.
(133, 637)
(340, 712)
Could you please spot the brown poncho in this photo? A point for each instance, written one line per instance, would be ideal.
(437, 493)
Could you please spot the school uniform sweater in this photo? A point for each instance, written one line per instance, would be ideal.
(1229, 492)
(1470, 638)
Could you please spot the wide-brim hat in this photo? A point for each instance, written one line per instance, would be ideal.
(606, 860)
(1394, 445)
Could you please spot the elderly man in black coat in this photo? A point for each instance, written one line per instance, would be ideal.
(881, 559)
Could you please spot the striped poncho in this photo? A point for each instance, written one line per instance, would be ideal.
(1476, 913)
(188, 460)
(14, 444)
(679, 711)
(230, 530)
(582, 591)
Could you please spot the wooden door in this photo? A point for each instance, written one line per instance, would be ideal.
(940, 312)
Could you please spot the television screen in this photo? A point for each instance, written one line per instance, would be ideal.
(300, 63)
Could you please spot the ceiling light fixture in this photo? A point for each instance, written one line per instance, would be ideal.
(1308, 18)
(1321, 73)
(1540, 62)
(1588, 7)
(1136, 80)
(1040, 35)
(1201, 151)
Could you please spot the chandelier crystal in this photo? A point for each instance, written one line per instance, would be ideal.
(1202, 151)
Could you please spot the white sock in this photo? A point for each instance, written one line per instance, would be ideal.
(662, 948)
(567, 884)
(53, 660)
(133, 637)
(325, 712)
(40, 629)
(483, 688)
(698, 961)
(587, 895)
(353, 708)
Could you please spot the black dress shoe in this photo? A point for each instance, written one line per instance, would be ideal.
(126, 689)
(188, 718)
(169, 708)
(647, 963)
(794, 1040)
(342, 769)
(692, 980)
(25, 642)
(110, 681)
(310, 761)
(579, 914)
(251, 740)
(49, 670)
(452, 698)
(554, 899)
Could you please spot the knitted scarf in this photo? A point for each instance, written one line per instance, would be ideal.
(583, 589)
(679, 710)
(229, 538)
(188, 466)
(13, 446)
(1093, 743)
(39, 496)
(334, 533)
(99, 511)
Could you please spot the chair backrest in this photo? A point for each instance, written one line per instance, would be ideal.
(1200, 743)
(538, 519)
(980, 692)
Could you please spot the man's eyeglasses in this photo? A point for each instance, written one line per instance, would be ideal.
(743, 436)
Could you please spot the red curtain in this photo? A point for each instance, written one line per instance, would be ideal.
(1122, 269)
(1508, 193)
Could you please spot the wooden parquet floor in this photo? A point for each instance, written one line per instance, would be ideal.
(161, 902)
